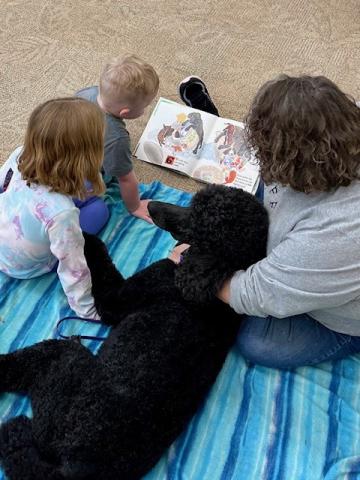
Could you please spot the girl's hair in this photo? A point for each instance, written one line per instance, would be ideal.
(127, 78)
(306, 133)
(64, 146)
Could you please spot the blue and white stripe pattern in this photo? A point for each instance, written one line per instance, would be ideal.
(256, 424)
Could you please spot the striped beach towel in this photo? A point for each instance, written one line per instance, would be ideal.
(256, 423)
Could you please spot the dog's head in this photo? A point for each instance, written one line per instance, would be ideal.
(227, 231)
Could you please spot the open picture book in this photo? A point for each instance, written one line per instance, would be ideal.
(195, 143)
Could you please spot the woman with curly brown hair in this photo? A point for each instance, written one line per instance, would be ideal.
(301, 304)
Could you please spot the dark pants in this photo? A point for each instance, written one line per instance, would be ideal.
(94, 214)
(292, 341)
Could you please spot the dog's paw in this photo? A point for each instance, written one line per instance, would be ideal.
(15, 434)
(196, 278)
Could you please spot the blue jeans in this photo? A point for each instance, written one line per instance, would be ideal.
(292, 341)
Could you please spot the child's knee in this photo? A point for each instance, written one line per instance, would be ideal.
(94, 216)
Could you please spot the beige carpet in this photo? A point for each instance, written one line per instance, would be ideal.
(50, 48)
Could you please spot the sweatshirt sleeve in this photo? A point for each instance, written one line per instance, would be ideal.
(67, 245)
(309, 270)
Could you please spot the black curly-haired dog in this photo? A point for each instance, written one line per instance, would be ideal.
(111, 416)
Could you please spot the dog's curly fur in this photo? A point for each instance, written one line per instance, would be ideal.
(111, 416)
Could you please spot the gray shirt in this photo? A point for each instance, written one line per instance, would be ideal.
(117, 152)
(313, 261)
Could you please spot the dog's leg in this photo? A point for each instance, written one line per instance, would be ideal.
(19, 455)
(107, 281)
(104, 274)
(114, 297)
(21, 459)
(199, 277)
(18, 370)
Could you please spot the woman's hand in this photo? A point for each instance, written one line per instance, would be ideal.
(224, 292)
(175, 256)
(176, 252)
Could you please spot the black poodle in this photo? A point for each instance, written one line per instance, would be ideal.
(111, 416)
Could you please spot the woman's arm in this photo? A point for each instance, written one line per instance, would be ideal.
(304, 273)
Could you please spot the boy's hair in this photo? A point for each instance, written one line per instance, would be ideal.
(127, 78)
(306, 133)
(64, 146)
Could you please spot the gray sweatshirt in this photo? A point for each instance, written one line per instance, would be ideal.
(313, 260)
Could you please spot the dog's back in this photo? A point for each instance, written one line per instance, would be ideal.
(163, 358)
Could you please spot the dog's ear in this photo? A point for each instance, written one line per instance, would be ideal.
(173, 218)
(199, 277)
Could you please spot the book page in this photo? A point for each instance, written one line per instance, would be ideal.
(226, 159)
(174, 136)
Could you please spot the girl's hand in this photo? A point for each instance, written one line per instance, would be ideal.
(176, 252)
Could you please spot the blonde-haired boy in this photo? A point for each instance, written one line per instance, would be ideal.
(127, 86)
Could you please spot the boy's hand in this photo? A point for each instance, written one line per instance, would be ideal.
(142, 211)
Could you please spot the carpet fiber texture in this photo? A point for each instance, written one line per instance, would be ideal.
(51, 48)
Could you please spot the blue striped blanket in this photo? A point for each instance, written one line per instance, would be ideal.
(257, 423)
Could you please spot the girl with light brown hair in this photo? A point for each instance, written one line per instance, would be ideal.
(40, 225)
